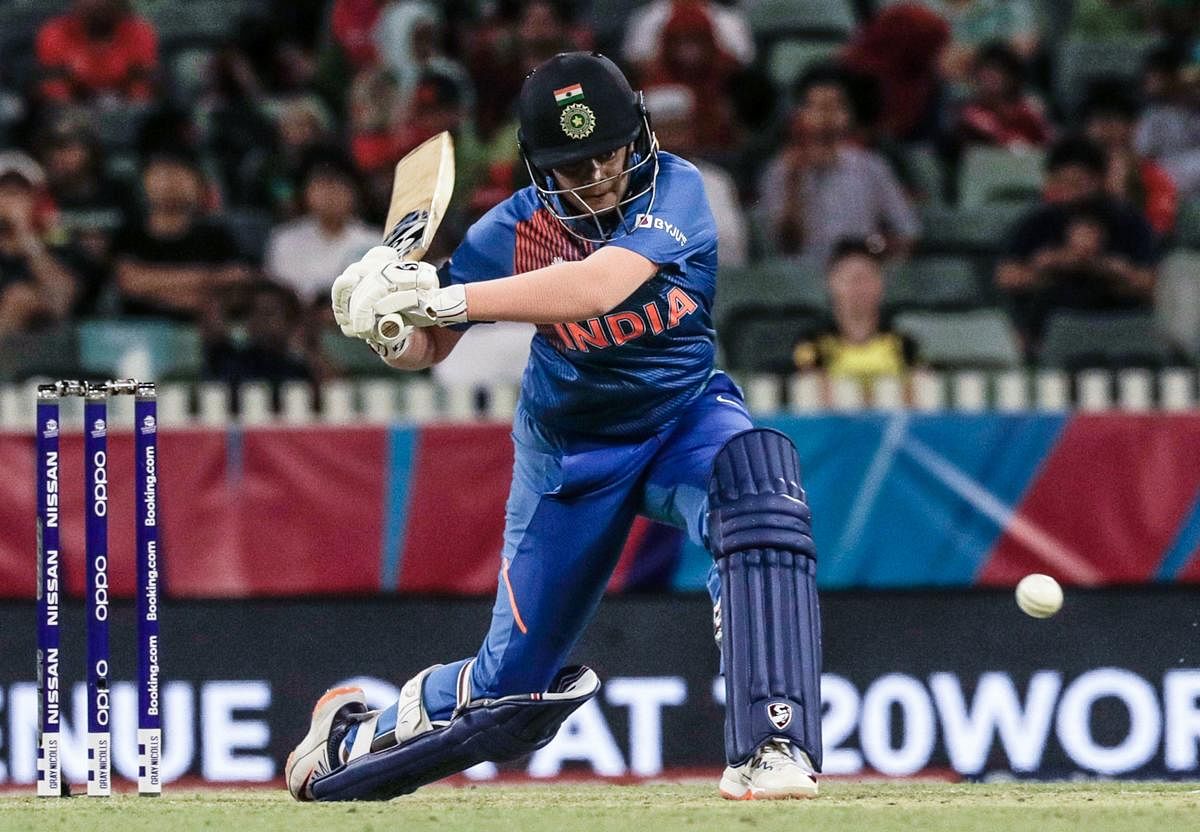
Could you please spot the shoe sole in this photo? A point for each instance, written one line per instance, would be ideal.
(784, 795)
(322, 710)
(734, 791)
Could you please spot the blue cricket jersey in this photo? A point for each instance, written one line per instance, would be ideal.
(629, 372)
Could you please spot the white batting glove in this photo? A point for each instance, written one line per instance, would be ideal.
(374, 260)
(395, 287)
(437, 307)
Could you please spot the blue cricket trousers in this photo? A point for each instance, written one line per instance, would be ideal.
(569, 512)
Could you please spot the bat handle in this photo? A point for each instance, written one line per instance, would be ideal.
(390, 328)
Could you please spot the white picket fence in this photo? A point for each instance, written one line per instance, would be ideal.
(383, 401)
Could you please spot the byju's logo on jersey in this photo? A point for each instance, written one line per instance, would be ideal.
(780, 714)
(651, 221)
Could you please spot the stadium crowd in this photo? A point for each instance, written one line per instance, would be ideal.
(891, 170)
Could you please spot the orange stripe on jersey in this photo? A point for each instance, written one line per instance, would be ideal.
(512, 598)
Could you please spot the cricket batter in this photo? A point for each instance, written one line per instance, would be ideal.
(612, 253)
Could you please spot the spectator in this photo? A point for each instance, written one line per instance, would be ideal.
(349, 50)
(254, 333)
(270, 177)
(234, 125)
(857, 344)
(36, 285)
(820, 189)
(174, 259)
(353, 23)
(306, 254)
(690, 55)
(436, 105)
(92, 206)
(1169, 129)
(1161, 71)
(375, 107)
(644, 31)
(1109, 117)
(899, 50)
(12, 110)
(1178, 20)
(506, 49)
(1081, 250)
(272, 62)
(408, 39)
(999, 112)
(974, 23)
(99, 49)
(672, 111)
(1103, 19)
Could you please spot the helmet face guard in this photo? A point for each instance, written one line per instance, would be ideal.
(568, 206)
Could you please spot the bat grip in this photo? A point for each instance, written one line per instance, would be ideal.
(390, 328)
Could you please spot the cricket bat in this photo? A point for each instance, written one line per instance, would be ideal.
(421, 189)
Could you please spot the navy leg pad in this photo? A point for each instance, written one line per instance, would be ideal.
(495, 730)
(760, 533)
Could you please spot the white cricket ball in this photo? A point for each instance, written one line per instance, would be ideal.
(1039, 595)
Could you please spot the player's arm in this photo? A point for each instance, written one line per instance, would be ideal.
(559, 293)
(562, 292)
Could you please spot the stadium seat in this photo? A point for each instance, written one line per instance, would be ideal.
(770, 284)
(352, 356)
(790, 58)
(982, 230)
(1177, 300)
(770, 19)
(154, 349)
(990, 174)
(933, 283)
(927, 173)
(1077, 340)
(762, 340)
(982, 339)
(1079, 62)
(53, 353)
(1187, 224)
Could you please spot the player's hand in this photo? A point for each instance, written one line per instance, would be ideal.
(437, 307)
(373, 261)
(386, 290)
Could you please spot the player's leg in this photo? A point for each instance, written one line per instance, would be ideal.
(566, 523)
(736, 490)
(567, 518)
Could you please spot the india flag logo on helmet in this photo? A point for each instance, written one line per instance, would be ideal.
(568, 95)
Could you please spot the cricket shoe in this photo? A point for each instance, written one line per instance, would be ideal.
(319, 752)
(775, 772)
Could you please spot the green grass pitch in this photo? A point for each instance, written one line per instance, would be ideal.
(843, 806)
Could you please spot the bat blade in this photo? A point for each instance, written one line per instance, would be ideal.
(421, 189)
